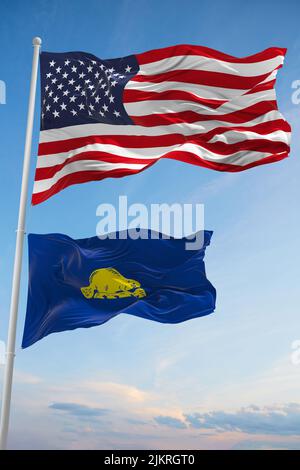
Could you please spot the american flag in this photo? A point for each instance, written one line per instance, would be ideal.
(112, 118)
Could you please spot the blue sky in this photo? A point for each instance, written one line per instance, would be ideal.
(223, 381)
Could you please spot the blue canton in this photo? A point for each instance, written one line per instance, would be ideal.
(79, 88)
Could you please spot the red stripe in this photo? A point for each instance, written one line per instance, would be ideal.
(82, 177)
(203, 77)
(240, 116)
(134, 141)
(262, 87)
(262, 128)
(187, 49)
(79, 177)
(251, 145)
(221, 148)
(187, 157)
(132, 96)
(50, 171)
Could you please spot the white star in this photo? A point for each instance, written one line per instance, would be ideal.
(72, 99)
(55, 99)
(60, 86)
(103, 86)
(77, 88)
(81, 75)
(114, 83)
(50, 93)
(101, 80)
(101, 113)
(102, 67)
(81, 106)
(81, 62)
(54, 80)
(46, 87)
(116, 113)
(122, 76)
(71, 82)
(63, 107)
(91, 87)
(48, 75)
(94, 62)
(91, 107)
(106, 93)
(97, 75)
(105, 108)
(74, 69)
(48, 107)
(74, 112)
(65, 75)
(52, 63)
(128, 69)
(87, 81)
(55, 114)
(111, 99)
(67, 62)
(89, 68)
(66, 92)
(97, 99)
(83, 93)
(58, 69)
(111, 70)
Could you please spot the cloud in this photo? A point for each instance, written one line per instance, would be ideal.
(215, 186)
(137, 422)
(281, 420)
(78, 410)
(125, 392)
(278, 420)
(266, 445)
(170, 422)
(25, 378)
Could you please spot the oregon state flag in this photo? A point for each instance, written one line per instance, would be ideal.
(86, 282)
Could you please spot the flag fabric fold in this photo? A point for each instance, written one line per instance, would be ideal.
(112, 118)
(84, 283)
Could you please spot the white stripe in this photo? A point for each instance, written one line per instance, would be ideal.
(86, 130)
(196, 62)
(232, 137)
(202, 91)
(238, 158)
(143, 108)
(270, 77)
(241, 158)
(45, 161)
(83, 165)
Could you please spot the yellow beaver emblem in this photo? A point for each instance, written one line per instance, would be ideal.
(108, 283)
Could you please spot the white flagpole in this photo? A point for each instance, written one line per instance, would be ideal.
(11, 341)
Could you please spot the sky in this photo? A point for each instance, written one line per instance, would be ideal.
(230, 380)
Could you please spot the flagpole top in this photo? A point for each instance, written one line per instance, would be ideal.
(36, 41)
